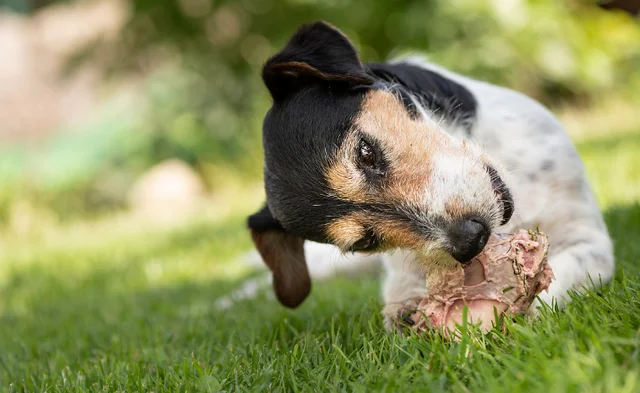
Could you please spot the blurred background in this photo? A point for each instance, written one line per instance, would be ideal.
(149, 111)
(130, 156)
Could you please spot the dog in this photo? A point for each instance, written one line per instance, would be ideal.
(415, 164)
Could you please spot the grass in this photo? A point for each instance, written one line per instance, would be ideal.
(134, 313)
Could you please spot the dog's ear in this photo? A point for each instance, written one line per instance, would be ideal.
(284, 254)
(316, 52)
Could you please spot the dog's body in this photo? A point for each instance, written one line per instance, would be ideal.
(412, 173)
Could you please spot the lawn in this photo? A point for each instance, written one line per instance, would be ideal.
(92, 309)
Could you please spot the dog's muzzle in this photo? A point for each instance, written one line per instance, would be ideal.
(469, 235)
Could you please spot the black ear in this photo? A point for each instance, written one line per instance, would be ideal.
(316, 52)
(284, 254)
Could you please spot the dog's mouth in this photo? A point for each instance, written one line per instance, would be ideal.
(503, 194)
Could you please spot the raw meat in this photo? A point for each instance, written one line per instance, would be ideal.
(506, 276)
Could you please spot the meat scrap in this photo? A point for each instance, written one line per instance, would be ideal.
(505, 278)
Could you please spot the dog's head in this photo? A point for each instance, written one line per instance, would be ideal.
(348, 162)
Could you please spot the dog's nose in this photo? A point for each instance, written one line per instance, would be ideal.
(468, 237)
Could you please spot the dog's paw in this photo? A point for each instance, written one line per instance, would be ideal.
(397, 316)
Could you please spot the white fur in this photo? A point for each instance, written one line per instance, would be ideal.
(517, 135)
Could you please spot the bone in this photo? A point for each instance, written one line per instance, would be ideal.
(504, 279)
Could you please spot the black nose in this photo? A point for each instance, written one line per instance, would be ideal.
(468, 237)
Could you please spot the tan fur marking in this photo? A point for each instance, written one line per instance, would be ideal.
(456, 207)
(411, 148)
(344, 177)
(347, 230)
(408, 145)
(398, 234)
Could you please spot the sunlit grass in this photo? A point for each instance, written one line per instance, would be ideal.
(120, 306)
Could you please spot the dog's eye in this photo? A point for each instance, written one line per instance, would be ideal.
(371, 160)
(366, 154)
(368, 243)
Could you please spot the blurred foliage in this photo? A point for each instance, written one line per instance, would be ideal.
(203, 101)
(544, 47)
(555, 51)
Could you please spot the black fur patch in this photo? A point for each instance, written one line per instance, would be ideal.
(263, 221)
(318, 85)
(301, 136)
(316, 53)
(439, 94)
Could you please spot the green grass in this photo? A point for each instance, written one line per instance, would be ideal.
(135, 314)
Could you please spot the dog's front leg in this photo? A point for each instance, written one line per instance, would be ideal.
(404, 287)
(582, 258)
